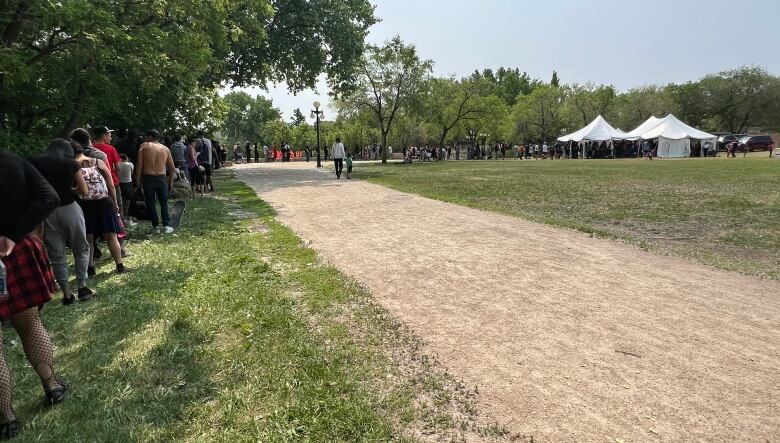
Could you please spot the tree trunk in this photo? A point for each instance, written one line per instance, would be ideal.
(444, 132)
(384, 147)
(75, 113)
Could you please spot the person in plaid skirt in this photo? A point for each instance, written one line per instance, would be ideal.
(26, 199)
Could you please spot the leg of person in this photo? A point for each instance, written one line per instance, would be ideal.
(6, 404)
(120, 200)
(116, 250)
(37, 349)
(79, 245)
(54, 240)
(162, 195)
(149, 197)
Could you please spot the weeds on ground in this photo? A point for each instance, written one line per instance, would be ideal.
(233, 330)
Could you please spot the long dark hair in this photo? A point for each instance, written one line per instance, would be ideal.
(59, 147)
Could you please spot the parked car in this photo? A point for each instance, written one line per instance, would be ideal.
(755, 142)
(724, 140)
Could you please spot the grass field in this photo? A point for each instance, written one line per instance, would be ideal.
(233, 330)
(717, 211)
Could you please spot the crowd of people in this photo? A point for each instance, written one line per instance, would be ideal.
(79, 190)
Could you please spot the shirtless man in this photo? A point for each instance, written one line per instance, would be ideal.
(154, 172)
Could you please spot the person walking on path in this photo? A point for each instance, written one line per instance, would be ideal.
(26, 200)
(65, 225)
(155, 173)
(349, 166)
(338, 156)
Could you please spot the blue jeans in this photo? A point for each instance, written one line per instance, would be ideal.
(156, 187)
(185, 168)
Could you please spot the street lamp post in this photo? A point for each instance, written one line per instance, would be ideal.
(316, 114)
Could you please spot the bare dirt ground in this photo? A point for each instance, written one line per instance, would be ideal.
(566, 337)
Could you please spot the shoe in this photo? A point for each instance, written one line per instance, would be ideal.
(156, 229)
(90, 271)
(10, 429)
(131, 223)
(168, 230)
(85, 294)
(121, 269)
(56, 396)
(67, 301)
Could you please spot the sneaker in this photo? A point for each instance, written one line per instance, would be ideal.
(91, 271)
(131, 223)
(85, 294)
(168, 230)
(67, 301)
(156, 229)
(121, 269)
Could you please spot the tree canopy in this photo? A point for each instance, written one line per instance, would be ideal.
(159, 63)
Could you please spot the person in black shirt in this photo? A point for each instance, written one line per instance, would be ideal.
(26, 199)
(65, 226)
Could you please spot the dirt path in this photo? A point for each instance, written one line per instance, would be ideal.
(568, 338)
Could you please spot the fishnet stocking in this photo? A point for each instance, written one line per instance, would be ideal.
(6, 408)
(37, 346)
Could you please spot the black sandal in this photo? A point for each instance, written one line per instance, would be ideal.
(10, 429)
(56, 396)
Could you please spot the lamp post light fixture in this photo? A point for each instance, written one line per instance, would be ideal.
(317, 114)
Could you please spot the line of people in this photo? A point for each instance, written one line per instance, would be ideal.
(79, 190)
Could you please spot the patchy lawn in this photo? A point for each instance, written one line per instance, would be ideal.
(717, 211)
(233, 330)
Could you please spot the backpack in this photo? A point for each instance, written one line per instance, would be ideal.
(96, 184)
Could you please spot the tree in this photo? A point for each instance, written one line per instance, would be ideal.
(554, 81)
(739, 98)
(245, 116)
(589, 101)
(389, 77)
(506, 83)
(448, 102)
(297, 117)
(276, 132)
(638, 104)
(141, 62)
(538, 115)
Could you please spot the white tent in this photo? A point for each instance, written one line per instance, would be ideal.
(674, 137)
(597, 130)
(649, 124)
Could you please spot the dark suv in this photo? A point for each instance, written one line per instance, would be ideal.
(724, 140)
(755, 142)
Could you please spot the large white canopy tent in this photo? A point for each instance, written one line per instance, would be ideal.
(649, 124)
(674, 137)
(597, 131)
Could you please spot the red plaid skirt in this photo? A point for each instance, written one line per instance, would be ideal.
(29, 276)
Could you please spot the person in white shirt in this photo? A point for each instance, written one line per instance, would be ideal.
(338, 156)
(545, 150)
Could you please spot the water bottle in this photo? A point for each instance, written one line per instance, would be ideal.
(3, 283)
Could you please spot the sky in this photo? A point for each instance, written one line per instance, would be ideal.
(625, 43)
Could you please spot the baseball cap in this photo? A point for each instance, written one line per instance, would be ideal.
(100, 130)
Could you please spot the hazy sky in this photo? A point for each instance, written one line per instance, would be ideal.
(624, 43)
